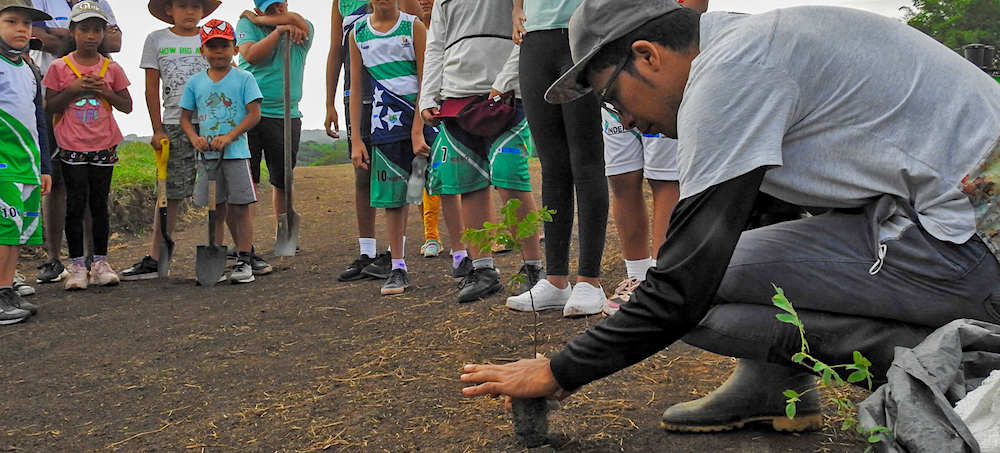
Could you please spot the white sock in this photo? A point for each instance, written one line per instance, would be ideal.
(637, 268)
(368, 247)
(483, 263)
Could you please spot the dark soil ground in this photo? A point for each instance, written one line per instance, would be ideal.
(297, 362)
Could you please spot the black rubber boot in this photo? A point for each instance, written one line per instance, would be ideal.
(753, 393)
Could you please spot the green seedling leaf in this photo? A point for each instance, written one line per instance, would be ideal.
(788, 319)
(819, 366)
(827, 376)
(848, 424)
(790, 410)
(857, 376)
(875, 438)
(791, 394)
(860, 360)
(799, 357)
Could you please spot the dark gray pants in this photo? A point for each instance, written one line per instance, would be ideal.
(848, 298)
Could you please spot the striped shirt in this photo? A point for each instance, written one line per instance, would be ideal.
(390, 57)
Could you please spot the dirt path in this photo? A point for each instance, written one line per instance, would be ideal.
(297, 362)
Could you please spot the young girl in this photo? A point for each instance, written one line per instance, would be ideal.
(82, 88)
(391, 55)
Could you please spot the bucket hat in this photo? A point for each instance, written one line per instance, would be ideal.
(158, 8)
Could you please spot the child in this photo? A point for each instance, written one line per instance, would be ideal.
(171, 55)
(25, 177)
(388, 48)
(260, 37)
(82, 88)
(467, 57)
(227, 102)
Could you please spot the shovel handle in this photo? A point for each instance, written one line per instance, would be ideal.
(162, 155)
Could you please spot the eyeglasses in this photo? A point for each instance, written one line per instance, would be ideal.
(603, 98)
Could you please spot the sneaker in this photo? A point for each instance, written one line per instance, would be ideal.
(232, 253)
(52, 271)
(20, 287)
(379, 267)
(532, 275)
(242, 271)
(258, 265)
(585, 300)
(431, 249)
(546, 297)
(77, 278)
(101, 274)
(353, 271)
(463, 269)
(479, 284)
(397, 283)
(9, 312)
(622, 294)
(143, 270)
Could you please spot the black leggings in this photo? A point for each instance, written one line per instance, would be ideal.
(87, 185)
(571, 149)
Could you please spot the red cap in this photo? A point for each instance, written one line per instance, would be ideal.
(216, 28)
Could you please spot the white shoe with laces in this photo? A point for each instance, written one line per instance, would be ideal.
(623, 293)
(586, 300)
(546, 296)
(101, 274)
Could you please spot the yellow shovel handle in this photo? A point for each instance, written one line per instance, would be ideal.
(162, 155)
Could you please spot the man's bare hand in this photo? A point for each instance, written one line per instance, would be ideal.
(528, 378)
(332, 124)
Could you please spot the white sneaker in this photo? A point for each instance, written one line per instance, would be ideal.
(586, 300)
(77, 278)
(242, 272)
(20, 286)
(545, 294)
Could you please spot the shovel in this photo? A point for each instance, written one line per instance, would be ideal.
(287, 238)
(167, 245)
(210, 261)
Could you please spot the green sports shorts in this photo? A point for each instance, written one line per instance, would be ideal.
(462, 162)
(391, 166)
(20, 222)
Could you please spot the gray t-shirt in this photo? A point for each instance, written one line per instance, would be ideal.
(840, 124)
(177, 58)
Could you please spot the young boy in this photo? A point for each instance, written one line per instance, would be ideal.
(24, 177)
(467, 57)
(387, 48)
(171, 55)
(227, 102)
(259, 36)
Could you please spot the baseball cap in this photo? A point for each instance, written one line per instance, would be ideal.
(263, 5)
(595, 24)
(158, 8)
(27, 6)
(216, 28)
(86, 10)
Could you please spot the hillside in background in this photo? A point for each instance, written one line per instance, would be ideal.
(315, 148)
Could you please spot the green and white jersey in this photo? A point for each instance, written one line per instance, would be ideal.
(352, 11)
(390, 57)
(20, 160)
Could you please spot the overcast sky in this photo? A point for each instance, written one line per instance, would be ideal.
(136, 23)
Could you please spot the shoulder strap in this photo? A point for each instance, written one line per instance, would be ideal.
(72, 67)
(104, 68)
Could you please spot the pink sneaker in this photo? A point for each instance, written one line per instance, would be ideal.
(101, 274)
(77, 277)
(622, 295)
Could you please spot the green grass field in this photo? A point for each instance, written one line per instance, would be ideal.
(137, 167)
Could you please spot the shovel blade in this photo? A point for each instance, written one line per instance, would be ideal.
(210, 264)
(287, 238)
(166, 252)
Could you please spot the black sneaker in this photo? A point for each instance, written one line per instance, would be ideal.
(17, 301)
(379, 267)
(353, 271)
(52, 271)
(10, 313)
(143, 270)
(259, 266)
(463, 269)
(397, 283)
(479, 284)
(532, 275)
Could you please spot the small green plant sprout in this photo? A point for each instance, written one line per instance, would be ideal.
(510, 233)
(829, 376)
